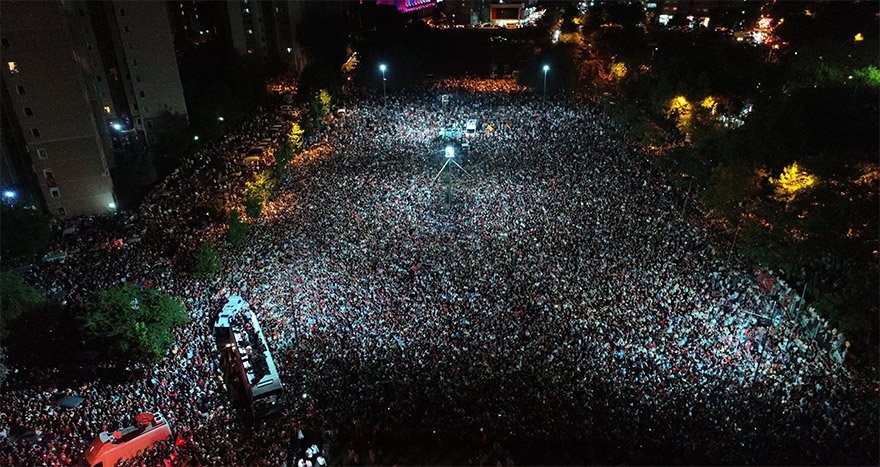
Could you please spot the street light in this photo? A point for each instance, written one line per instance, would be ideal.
(196, 138)
(220, 119)
(546, 69)
(117, 126)
(450, 152)
(382, 68)
(9, 194)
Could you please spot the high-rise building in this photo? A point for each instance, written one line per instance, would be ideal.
(56, 119)
(144, 64)
(267, 29)
(85, 78)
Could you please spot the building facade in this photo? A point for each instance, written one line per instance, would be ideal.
(56, 121)
(85, 80)
(267, 29)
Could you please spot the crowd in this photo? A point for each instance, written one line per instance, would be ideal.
(477, 85)
(560, 296)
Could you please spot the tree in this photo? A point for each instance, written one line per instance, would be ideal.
(18, 302)
(25, 232)
(256, 192)
(131, 323)
(207, 262)
(296, 137)
(283, 157)
(323, 99)
(23, 309)
(253, 206)
(237, 227)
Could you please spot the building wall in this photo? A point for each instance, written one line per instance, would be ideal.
(147, 43)
(247, 24)
(51, 91)
(286, 20)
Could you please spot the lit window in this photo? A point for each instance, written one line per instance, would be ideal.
(107, 108)
(13, 68)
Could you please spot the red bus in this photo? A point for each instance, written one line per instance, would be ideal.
(109, 448)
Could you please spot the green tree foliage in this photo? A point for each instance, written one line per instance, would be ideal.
(24, 309)
(256, 192)
(206, 262)
(296, 137)
(237, 227)
(131, 323)
(253, 206)
(25, 232)
(18, 302)
(323, 100)
(283, 157)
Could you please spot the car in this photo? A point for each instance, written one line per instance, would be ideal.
(110, 448)
(470, 128)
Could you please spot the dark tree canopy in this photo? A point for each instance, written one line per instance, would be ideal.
(24, 231)
(131, 323)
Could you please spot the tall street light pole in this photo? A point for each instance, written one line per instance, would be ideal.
(546, 69)
(382, 68)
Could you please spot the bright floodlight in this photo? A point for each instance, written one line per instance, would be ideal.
(382, 68)
(117, 126)
(450, 152)
(546, 68)
(112, 205)
(9, 194)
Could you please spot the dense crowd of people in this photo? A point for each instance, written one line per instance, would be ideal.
(549, 289)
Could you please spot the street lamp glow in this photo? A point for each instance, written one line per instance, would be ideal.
(220, 119)
(382, 68)
(111, 205)
(9, 194)
(117, 126)
(546, 69)
(450, 152)
(196, 138)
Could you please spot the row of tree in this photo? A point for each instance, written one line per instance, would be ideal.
(258, 191)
